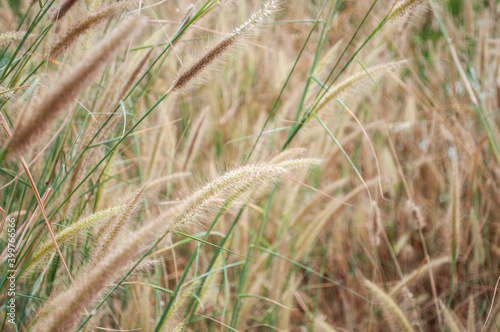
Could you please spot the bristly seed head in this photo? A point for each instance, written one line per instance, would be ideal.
(402, 8)
(9, 36)
(216, 52)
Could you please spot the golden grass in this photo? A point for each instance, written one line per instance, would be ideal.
(188, 190)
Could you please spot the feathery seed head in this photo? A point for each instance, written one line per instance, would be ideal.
(419, 273)
(389, 307)
(403, 8)
(256, 19)
(450, 318)
(236, 181)
(82, 292)
(61, 10)
(287, 154)
(9, 36)
(166, 179)
(83, 25)
(117, 223)
(47, 248)
(416, 217)
(217, 51)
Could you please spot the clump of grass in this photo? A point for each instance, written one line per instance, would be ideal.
(281, 255)
(64, 311)
(58, 97)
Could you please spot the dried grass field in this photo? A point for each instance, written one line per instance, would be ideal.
(256, 165)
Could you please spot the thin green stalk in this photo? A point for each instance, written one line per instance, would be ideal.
(246, 267)
(310, 111)
(286, 82)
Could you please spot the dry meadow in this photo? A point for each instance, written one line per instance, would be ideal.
(258, 165)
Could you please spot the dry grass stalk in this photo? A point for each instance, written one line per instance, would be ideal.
(471, 316)
(316, 199)
(194, 141)
(314, 227)
(419, 273)
(5, 93)
(454, 212)
(54, 102)
(134, 73)
(376, 227)
(90, 21)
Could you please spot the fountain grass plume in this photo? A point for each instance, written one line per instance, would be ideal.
(216, 52)
(117, 223)
(403, 8)
(102, 13)
(7, 37)
(234, 182)
(391, 310)
(62, 9)
(47, 248)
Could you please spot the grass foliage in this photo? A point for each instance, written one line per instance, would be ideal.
(250, 165)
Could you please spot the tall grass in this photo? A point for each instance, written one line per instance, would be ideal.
(168, 148)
